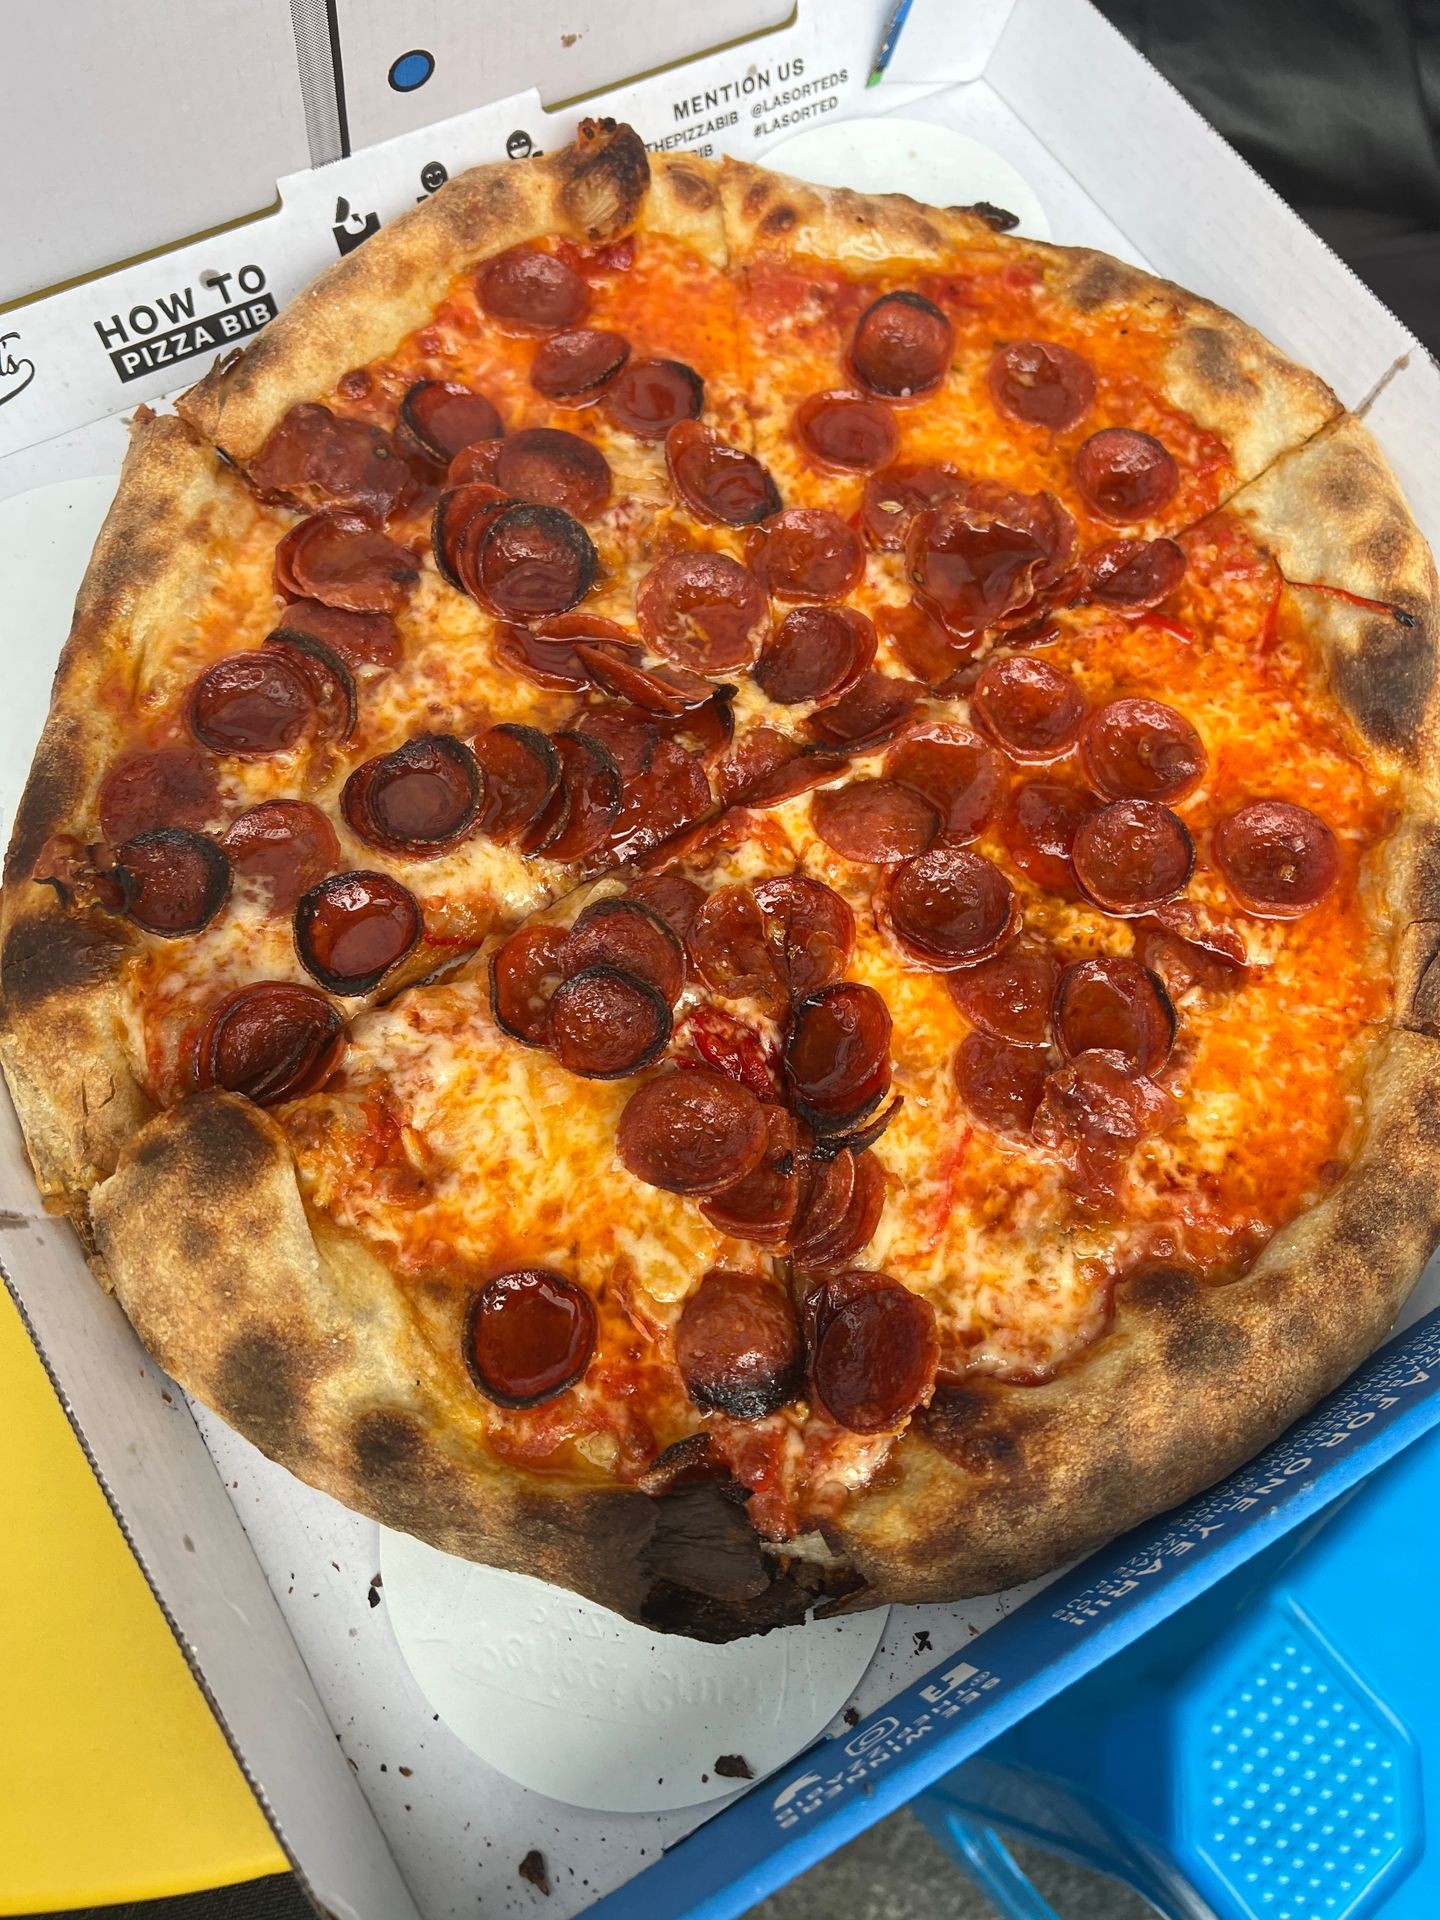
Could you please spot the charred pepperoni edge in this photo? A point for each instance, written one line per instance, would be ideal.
(274, 662)
(308, 1064)
(768, 1385)
(542, 747)
(778, 1178)
(355, 795)
(746, 1139)
(688, 444)
(586, 1351)
(444, 536)
(654, 1003)
(838, 1299)
(917, 304)
(667, 690)
(618, 951)
(840, 1227)
(1106, 967)
(318, 662)
(429, 446)
(567, 532)
(585, 381)
(179, 840)
(546, 834)
(870, 1090)
(307, 912)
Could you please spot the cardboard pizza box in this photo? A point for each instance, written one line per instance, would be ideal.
(269, 1586)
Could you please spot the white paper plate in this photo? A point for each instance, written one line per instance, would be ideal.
(574, 1702)
(890, 154)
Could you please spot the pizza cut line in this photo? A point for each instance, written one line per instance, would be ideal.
(731, 889)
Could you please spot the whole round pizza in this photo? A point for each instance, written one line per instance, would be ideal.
(731, 891)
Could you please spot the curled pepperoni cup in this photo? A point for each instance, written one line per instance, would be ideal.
(671, 898)
(948, 908)
(528, 1336)
(806, 553)
(969, 570)
(867, 714)
(474, 464)
(1123, 475)
(1042, 383)
(846, 432)
(249, 704)
(903, 345)
(620, 670)
(315, 459)
(1133, 575)
(956, 771)
(1132, 855)
(761, 1207)
(460, 518)
(577, 365)
(1141, 750)
(810, 930)
(703, 611)
(169, 787)
(530, 561)
(519, 773)
(342, 561)
(274, 1041)
(605, 1023)
(284, 846)
(547, 654)
(578, 819)
(1029, 707)
(359, 639)
(737, 1345)
(625, 934)
(670, 796)
(422, 799)
(171, 881)
(875, 1352)
(731, 948)
(1000, 1084)
(353, 928)
(766, 767)
(1279, 860)
(1112, 1004)
(553, 468)
(1010, 997)
(441, 417)
(893, 497)
(874, 820)
(1038, 827)
(837, 1055)
(815, 654)
(527, 291)
(692, 1131)
(1093, 1111)
(842, 1200)
(649, 397)
(717, 482)
(331, 683)
(524, 973)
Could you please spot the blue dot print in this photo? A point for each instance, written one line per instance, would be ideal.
(412, 70)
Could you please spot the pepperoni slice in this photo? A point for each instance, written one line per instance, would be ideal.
(717, 482)
(524, 973)
(869, 714)
(172, 881)
(1094, 1110)
(874, 820)
(460, 518)
(315, 459)
(703, 611)
(903, 345)
(1141, 750)
(1133, 575)
(529, 1335)
(766, 767)
(816, 653)
(630, 735)
(1123, 475)
(166, 787)
(331, 683)
(806, 553)
(1010, 997)
(527, 291)
(737, 1345)
(731, 949)
(271, 1042)
(948, 908)
(620, 669)
(553, 468)
(969, 570)
(875, 1355)
(1131, 855)
(1188, 945)
(1032, 709)
(811, 931)
(956, 771)
(359, 639)
(1279, 860)
(578, 364)
(761, 1207)
(672, 793)
(893, 497)
(474, 464)
(1112, 1004)
(928, 650)
(605, 1024)
(342, 561)
(286, 846)
(625, 934)
(672, 898)
(1039, 828)
(420, 800)
(520, 771)
(531, 560)
(547, 655)
(442, 417)
(1042, 383)
(1001, 1084)
(837, 1055)
(578, 819)
(353, 928)
(250, 704)
(692, 1131)
(649, 397)
(846, 432)
(841, 1203)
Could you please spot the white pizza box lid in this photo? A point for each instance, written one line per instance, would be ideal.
(270, 1589)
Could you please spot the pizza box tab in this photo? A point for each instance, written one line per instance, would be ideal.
(268, 1585)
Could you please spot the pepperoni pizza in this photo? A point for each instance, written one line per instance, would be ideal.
(732, 889)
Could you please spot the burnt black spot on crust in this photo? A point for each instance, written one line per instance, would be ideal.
(260, 1385)
(1386, 682)
(389, 1448)
(780, 219)
(46, 956)
(607, 175)
(970, 1426)
(1165, 1291)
